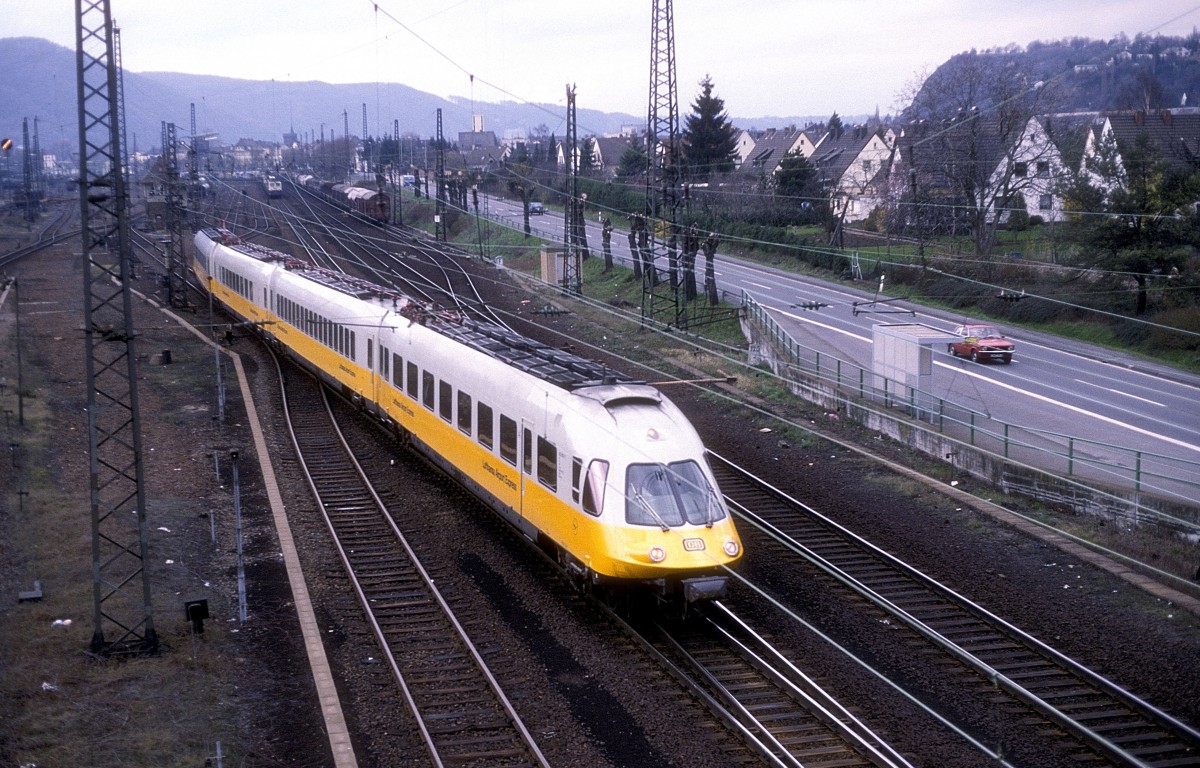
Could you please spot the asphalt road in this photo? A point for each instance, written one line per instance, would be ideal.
(1074, 399)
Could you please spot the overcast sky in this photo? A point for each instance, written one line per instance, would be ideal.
(774, 57)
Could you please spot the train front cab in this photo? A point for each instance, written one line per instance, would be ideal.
(646, 525)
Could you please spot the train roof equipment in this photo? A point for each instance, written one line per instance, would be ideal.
(555, 366)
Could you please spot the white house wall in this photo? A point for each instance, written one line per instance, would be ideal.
(1035, 147)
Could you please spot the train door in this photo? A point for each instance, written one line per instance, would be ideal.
(527, 465)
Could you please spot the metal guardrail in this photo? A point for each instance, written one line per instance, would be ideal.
(1084, 460)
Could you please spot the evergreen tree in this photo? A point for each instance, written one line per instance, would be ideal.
(710, 140)
(587, 156)
(836, 128)
(796, 178)
(634, 161)
(1131, 215)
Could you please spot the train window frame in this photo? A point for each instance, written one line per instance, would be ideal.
(414, 379)
(679, 484)
(445, 400)
(484, 422)
(576, 475)
(547, 463)
(595, 482)
(397, 371)
(508, 440)
(464, 412)
(428, 389)
(370, 353)
(527, 450)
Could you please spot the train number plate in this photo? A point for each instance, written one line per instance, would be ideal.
(693, 545)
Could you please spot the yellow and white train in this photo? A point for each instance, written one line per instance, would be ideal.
(604, 472)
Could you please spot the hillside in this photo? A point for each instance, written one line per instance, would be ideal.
(1090, 75)
(45, 89)
(40, 84)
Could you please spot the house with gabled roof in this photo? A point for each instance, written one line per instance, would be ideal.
(606, 153)
(852, 162)
(760, 153)
(1034, 171)
(977, 169)
(1173, 134)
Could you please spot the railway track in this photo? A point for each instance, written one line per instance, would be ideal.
(463, 716)
(397, 257)
(50, 233)
(1100, 720)
(780, 712)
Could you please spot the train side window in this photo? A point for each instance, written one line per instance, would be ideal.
(527, 454)
(547, 463)
(464, 412)
(576, 473)
(413, 380)
(427, 389)
(370, 354)
(484, 420)
(508, 440)
(397, 371)
(445, 400)
(352, 356)
(593, 486)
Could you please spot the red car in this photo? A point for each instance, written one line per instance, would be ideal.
(980, 343)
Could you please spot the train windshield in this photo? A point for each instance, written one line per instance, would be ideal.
(667, 495)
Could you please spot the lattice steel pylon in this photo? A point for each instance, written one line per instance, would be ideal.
(31, 197)
(175, 281)
(193, 187)
(572, 273)
(664, 174)
(124, 621)
(439, 205)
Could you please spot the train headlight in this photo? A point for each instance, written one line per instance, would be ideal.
(730, 547)
(657, 554)
(652, 434)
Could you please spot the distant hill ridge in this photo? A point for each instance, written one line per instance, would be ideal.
(1146, 73)
(39, 82)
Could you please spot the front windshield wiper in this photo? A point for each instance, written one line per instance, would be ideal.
(640, 498)
(710, 518)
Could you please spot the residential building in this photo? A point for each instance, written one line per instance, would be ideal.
(852, 163)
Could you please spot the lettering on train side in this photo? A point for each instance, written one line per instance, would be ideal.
(499, 475)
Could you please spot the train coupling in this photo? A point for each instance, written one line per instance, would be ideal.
(702, 588)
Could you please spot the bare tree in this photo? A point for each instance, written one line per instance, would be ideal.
(969, 141)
